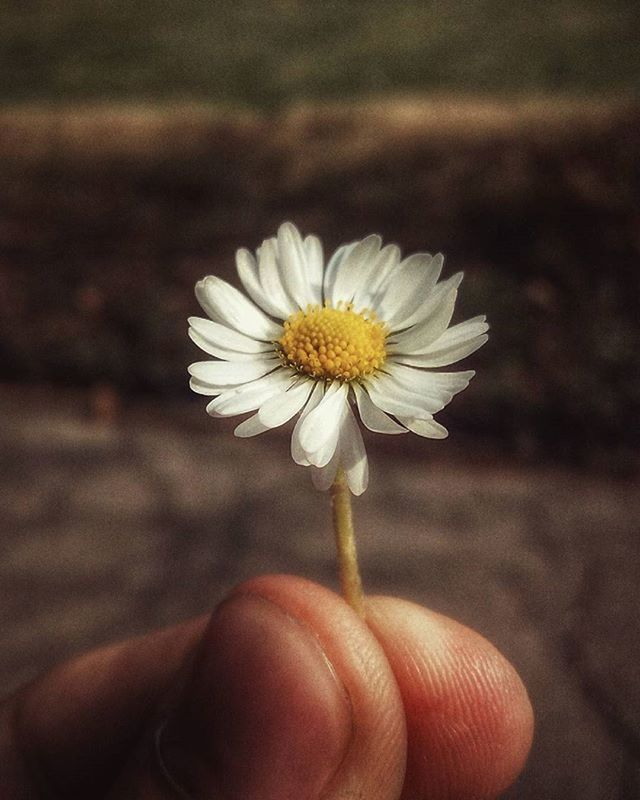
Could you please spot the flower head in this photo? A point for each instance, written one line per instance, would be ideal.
(365, 331)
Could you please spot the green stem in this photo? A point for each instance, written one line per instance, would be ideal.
(346, 544)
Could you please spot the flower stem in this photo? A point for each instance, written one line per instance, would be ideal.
(346, 544)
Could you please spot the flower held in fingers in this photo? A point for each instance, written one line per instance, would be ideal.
(366, 331)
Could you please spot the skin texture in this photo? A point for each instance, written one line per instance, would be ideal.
(284, 692)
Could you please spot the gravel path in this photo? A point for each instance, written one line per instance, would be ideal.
(114, 528)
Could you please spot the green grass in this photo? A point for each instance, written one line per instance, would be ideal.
(264, 54)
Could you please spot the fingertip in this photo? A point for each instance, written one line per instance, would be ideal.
(469, 719)
(263, 714)
(291, 696)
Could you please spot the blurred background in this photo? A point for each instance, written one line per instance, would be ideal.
(141, 144)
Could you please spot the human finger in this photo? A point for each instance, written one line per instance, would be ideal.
(469, 720)
(284, 693)
(72, 730)
(290, 696)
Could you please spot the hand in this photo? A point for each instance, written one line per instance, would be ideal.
(282, 694)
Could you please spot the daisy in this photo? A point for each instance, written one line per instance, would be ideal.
(364, 332)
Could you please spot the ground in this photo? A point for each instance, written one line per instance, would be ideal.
(118, 521)
(263, 53)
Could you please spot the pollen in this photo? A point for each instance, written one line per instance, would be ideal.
(333, 343)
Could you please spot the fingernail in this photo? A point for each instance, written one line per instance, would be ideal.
(264, 715)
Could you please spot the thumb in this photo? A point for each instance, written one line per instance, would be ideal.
(288, 696)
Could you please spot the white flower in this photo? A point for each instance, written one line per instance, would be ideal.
(365, 331)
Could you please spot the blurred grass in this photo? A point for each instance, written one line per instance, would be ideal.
(110, 214)
(263, 54)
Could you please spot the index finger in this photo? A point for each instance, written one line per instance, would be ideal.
(469, 719)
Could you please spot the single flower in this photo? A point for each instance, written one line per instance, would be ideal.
(365, 331)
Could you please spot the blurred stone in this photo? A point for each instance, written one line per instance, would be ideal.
(111, 532)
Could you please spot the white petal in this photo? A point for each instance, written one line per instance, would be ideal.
(443, 356)
(249, 396)
(433, 390)
(373, 417)
(353, 456)
(297, 453)
(353, 269)
(279, 409)
(248, 273)
(292, 263)
(225, 304)
(315, 266)
(463, 330)
(231, 373)
(412, 283)
(325, 453)
(323, 477)
(221, 352)
(393, 398)
(372, 288)
(331, 271)
(435, 316)
(428, 428)
(350, 455)
(223, 342)
(452, 345)
(319, 432)
(199, 387)
(427, 288)
(270, 278)
(250, 427)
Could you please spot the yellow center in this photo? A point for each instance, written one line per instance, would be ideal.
(333, 343)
